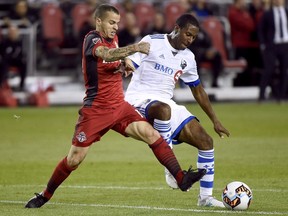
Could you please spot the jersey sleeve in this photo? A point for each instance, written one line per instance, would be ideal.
(190, 77)
(91, 42)
(137, 57)
(96, 42)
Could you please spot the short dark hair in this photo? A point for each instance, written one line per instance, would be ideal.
(102, 9)
(186, 19)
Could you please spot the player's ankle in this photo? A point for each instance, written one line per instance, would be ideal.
(179, 177)
(46, 194)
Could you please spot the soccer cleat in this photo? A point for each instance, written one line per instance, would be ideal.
(37, 201)
(170, 180)
(209, 202)
(190, 177)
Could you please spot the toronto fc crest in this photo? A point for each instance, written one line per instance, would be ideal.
(81, 137)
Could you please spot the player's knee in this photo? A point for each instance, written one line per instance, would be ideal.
(160, 110)
(165, 108)
(73, 161)
(151, 135)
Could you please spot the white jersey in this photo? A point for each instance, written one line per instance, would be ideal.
(159, 71)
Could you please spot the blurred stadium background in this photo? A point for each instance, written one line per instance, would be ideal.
(52, 44)
(120, 176)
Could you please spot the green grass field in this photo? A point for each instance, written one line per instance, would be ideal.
(120, 176)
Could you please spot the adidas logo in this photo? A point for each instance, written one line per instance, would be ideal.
(162, 56)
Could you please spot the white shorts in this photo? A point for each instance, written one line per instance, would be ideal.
(180, 116)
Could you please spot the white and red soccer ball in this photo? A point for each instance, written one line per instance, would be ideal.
(237, 196)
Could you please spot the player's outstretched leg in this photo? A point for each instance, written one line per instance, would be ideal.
(61, 172)
(164, 128)
(165, 155)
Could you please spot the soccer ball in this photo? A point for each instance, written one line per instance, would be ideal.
(237, 196)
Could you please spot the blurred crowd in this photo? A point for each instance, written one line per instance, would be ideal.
(58, 41)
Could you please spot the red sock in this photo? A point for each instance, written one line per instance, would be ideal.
(166, 157)
(61, 172)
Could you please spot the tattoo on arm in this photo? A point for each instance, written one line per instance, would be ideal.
(115, 54)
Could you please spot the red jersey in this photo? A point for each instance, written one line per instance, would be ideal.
(103, 86)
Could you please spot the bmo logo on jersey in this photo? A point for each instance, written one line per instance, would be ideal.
(169, 71)
(163, 68)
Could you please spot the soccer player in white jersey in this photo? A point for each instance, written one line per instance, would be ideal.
(151, 91)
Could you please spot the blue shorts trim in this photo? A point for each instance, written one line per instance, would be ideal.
(180, 127)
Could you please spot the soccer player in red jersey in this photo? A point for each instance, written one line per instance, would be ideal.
(104, 107)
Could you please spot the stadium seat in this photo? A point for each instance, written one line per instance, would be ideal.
(172, 11)
(52, 30)
(218, 29)
(7, 98)
(80, 14)
(144, 13)
(52, 25)
(39, 99)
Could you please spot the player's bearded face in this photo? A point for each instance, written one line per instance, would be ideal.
(186, 36)
(109, 25)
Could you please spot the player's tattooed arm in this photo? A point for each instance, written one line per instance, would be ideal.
(115, 54)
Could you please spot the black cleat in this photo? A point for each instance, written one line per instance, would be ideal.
(36, 201)
(190, 177)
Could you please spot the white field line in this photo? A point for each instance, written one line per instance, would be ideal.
(152, 208)
(133, 188)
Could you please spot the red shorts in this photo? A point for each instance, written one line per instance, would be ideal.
(93, 122)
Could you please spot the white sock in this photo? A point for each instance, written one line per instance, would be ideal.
(206, 161)
(164, 128)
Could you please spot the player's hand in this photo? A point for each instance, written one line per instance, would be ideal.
(143, 47)
(220, 130)
(120, 68)
(128, 67)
